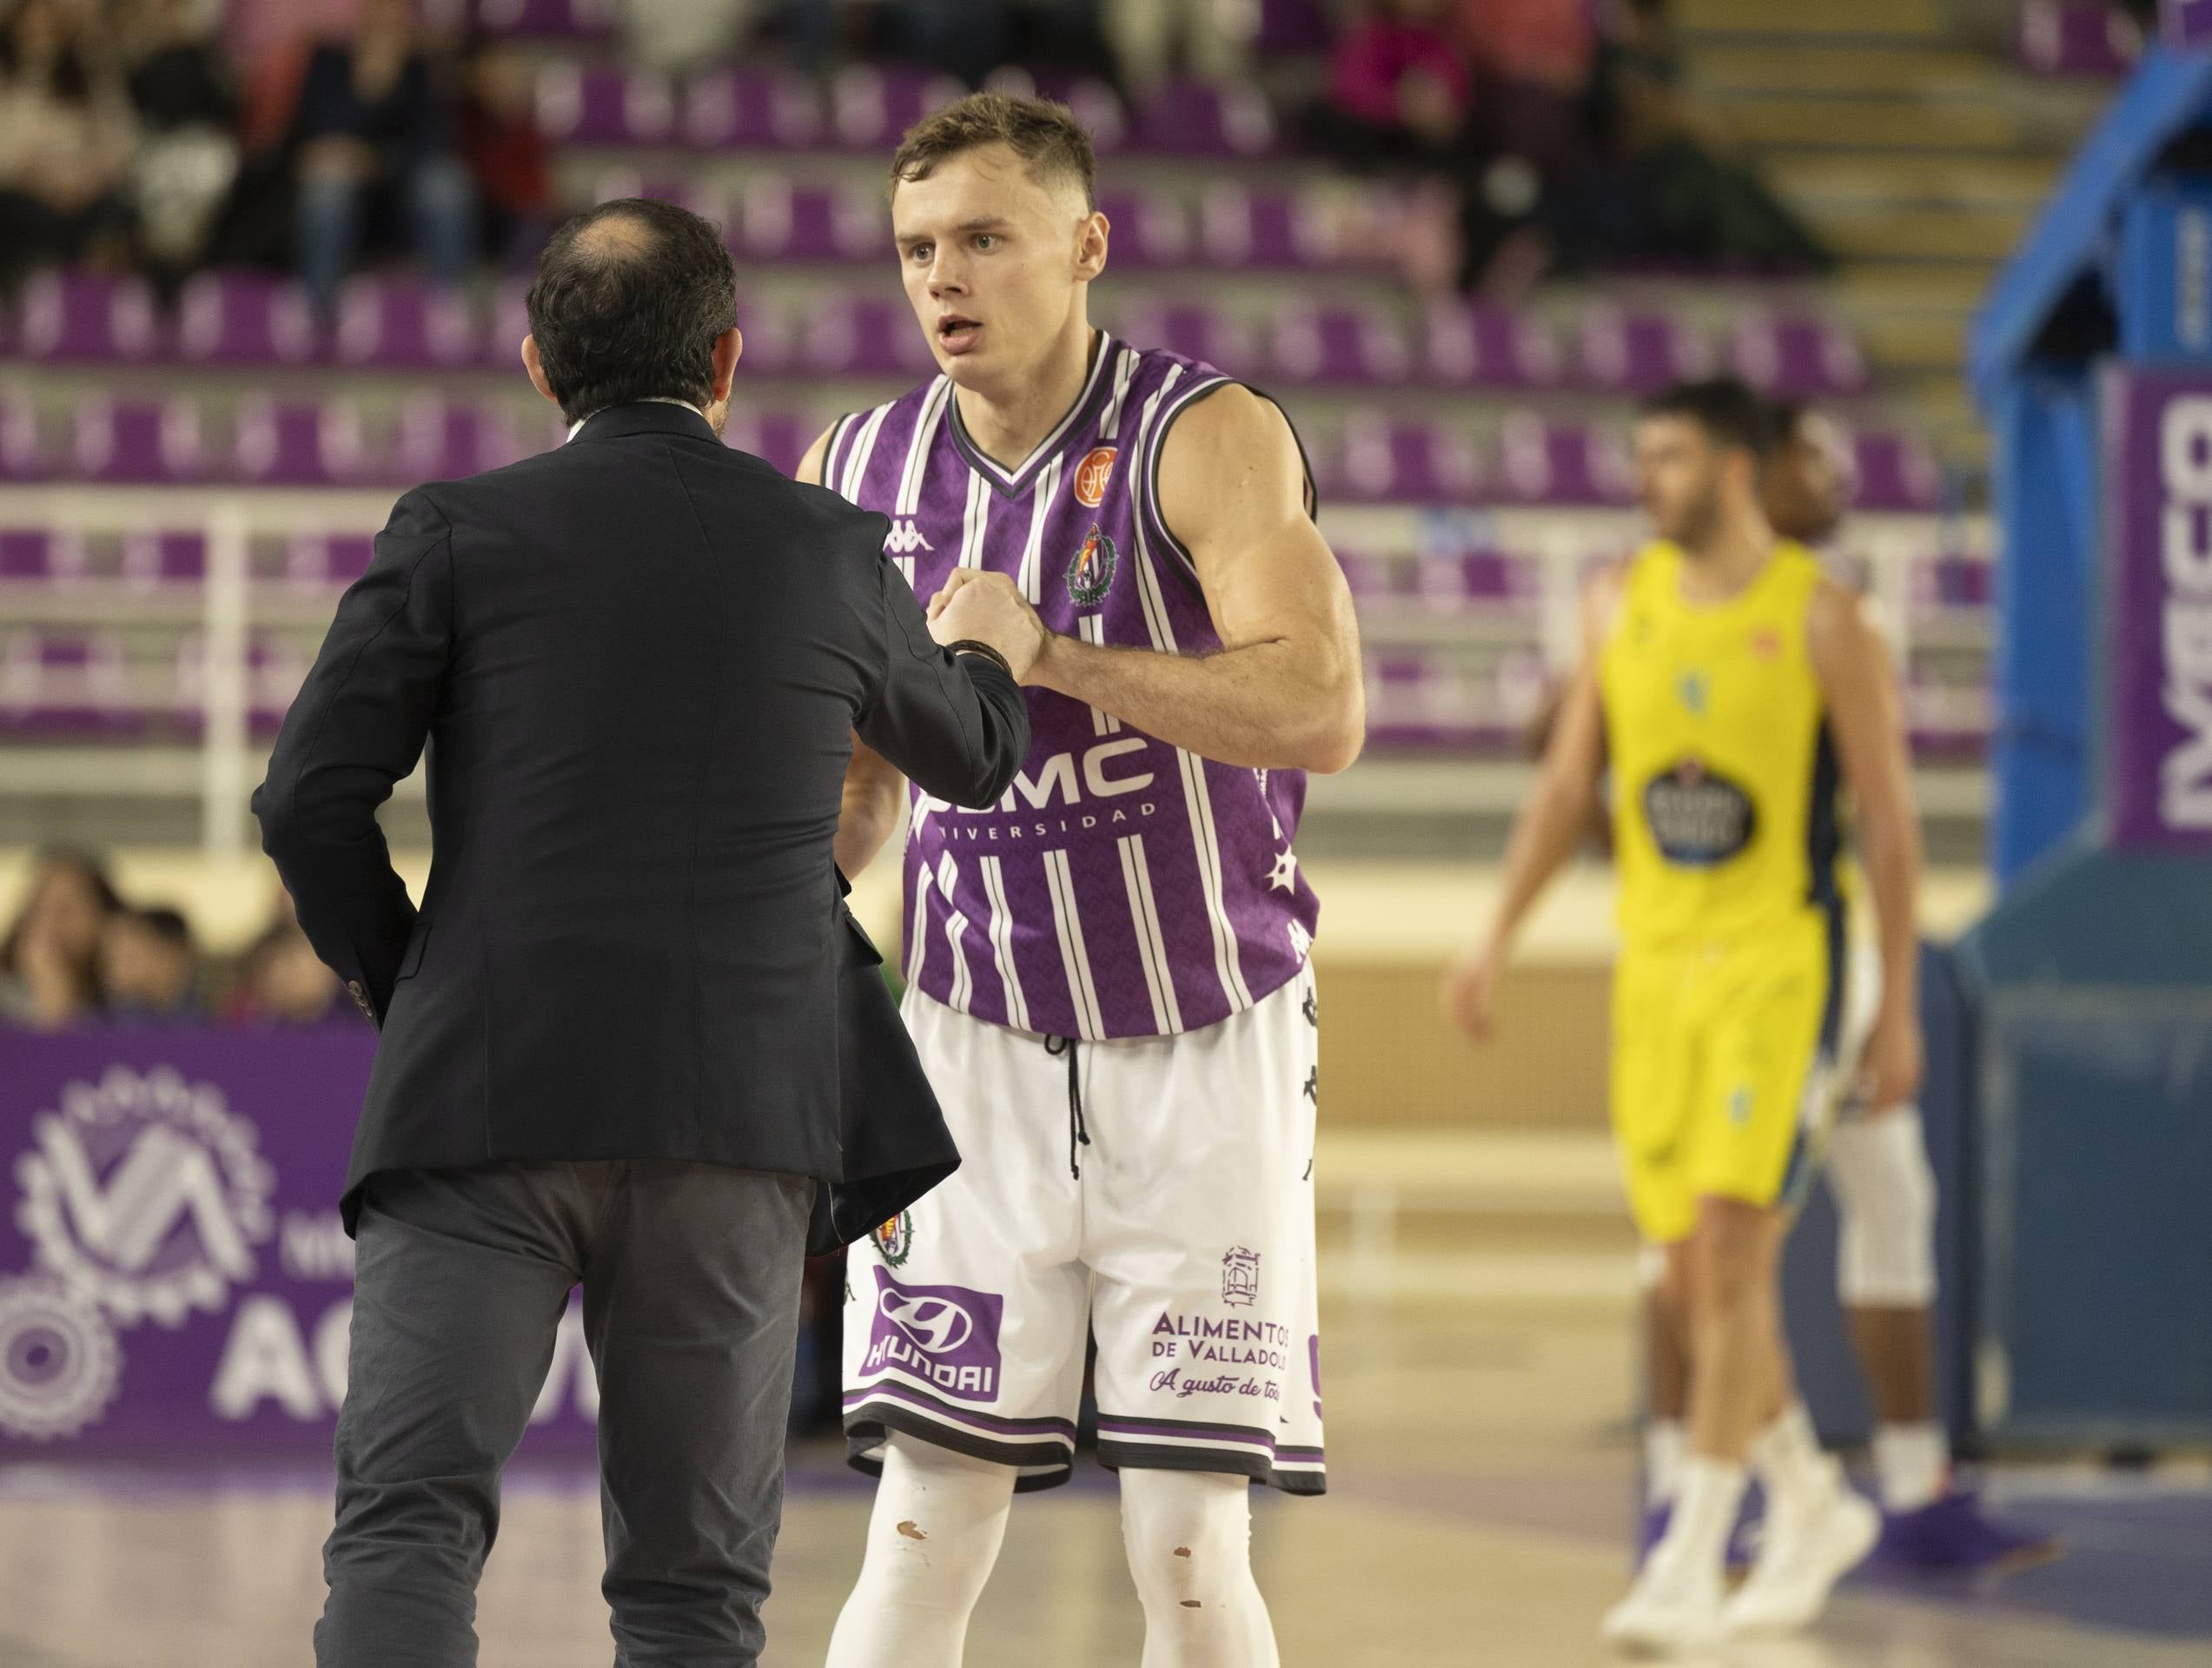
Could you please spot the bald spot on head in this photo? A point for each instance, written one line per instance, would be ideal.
(617, 238)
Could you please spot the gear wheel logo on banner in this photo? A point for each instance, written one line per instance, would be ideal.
(59, 1366)
(146, 1194)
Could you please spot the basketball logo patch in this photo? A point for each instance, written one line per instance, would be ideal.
(894, 1239)
(1091, 476)
(1091, 574)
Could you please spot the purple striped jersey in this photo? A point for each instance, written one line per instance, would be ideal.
(1121, 887)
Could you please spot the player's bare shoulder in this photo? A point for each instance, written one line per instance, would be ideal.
(1603, 594)
(809, 473)
(1231, 455)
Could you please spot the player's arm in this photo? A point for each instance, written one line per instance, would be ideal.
(1284, 690)
(874, 790)
(1858, 688)
(1552, 822)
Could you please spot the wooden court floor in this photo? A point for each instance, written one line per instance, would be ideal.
(1478, 1514)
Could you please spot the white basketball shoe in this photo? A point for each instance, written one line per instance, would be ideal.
(1802, 1557)
(1674, 1609)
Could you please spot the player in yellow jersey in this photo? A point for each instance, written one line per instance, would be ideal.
(1735, 693)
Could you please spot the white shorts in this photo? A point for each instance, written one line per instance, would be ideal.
(1154, 1192)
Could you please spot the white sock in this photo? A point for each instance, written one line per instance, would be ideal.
(1704, 1514)
(1787, 1457)
(1665, 1444)
(1912, 1464)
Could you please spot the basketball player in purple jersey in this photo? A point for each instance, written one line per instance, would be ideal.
(1108, 971)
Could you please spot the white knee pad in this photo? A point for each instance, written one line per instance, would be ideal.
(1885, 1203)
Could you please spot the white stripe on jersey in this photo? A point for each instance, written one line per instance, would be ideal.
(917, 454)
(963, 982)
(917, 924)
(1082, 996)
(974, 521)
(1000, 930)
(1122, 374)
(1151, 943)
(1032, 577)
(1092, 629)
(1051, 442)
(863, 448)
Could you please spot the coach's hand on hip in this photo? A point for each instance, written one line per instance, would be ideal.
(985, 607)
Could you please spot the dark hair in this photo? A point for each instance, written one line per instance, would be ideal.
(88, 866)
(1044, 134)
(1784, 418)
(632, 313)
(1724, 406)
(166, 924)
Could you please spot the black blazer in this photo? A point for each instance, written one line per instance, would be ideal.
(638, 660)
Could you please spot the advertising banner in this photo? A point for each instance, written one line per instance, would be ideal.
(2158, 609)
(174, 1280)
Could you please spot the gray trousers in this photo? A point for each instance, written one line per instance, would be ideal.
(690, 1277)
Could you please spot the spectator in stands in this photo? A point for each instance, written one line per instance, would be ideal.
(282, 982)
(1398, 90)
(1532, 62)
(66, 138)
(375, 148)
(186, 100)
(149, 968)
(49, 973)
(507, 153)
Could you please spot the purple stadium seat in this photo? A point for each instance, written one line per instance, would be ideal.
(2078, 37)
(862, 336)
(1400, 462)
(245, 318)
(546, 20)
(1475, 579)
(1949, 580)
(1636, 353)
(1095, 104)
(780, 437)
(502, 341)
(1540, 462)
(22, 453)
(751, 109)
(1797, 358)
(152, 560)
(1478, 345)
(1896, 472)
(39, 556)
(443, 439)
(407, 324)
(1944, 719)
(66, 683)
(1194, 118)
(706, 198)
(1420, 701)
(1340, 345)
(298, 443)
(1373, 579)
(597, 106)
(1146, 230)
(275, 670)
(1194, 331)
(782, 222)
(1272, 229)
(79, 315)
(315, 562)
(137, 441)
(871, 105)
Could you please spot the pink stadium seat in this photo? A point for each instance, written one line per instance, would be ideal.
(546, 20)
(503, 341)
(245, 318)
(315, 561)
(1402, 462)
(77, 315)
(298, 443)
(23, 452)
(444, 440)
(74, 685)
(752, 108)
(2078, 37)
(1896, 472)
(154, 560)
(1146, 230)
(1338, 345)
(38, 556)
(600, 106)
(1797, 358)
(406, 324)
(781, 221)
(137, 441)
(275, 670)
(863, 336)
(1195, 118)
(871, 105)
(1623, 352)
(1478, 345)
(1542, 462)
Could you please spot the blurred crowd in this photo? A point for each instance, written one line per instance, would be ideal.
(320, 135)
(78, 952)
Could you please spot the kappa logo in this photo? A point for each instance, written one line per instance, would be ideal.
(905, 538)
(1092, 474)
(1091, 574)
(146, 1194)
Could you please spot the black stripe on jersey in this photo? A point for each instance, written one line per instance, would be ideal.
(1149, 481)
(1824, 823)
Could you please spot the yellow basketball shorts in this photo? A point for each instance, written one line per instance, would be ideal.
(1725, 1078)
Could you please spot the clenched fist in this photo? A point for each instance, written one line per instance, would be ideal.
(989, 608)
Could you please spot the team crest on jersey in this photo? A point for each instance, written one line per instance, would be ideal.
(1699, 818)
(1091, 574)
(1091, 475)
(894, 1239)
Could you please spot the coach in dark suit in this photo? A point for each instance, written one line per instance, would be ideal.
(632, 1026)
